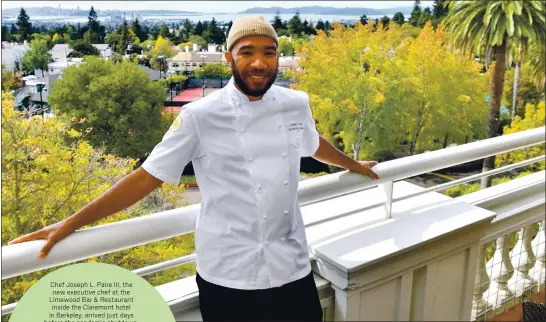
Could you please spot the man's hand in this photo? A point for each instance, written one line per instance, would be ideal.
(52, 234)
(329, 154)
(365, 167)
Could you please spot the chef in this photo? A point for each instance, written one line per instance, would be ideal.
(245, 142)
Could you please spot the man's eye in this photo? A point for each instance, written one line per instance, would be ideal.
(246, 54)
(270, 54)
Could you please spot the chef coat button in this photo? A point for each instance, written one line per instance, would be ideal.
(286, 212)
(259, 186)
(283, 239)
(250, 159)
(266, 242)
(241, 130)
(284, 154)
(279, 126)
(285, 182)
(264, 217)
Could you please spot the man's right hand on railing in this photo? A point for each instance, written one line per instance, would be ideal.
(52, 234)
(126, 192)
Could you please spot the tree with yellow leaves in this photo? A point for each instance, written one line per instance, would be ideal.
(534, 117)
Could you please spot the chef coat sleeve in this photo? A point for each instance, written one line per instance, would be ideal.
(179, 146)
(310, 141)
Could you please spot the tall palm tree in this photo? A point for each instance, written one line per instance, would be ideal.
(478, 25)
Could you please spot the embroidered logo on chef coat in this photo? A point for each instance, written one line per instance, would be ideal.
(294, 126)
(177, 124)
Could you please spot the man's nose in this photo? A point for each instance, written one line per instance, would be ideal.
(258, 63)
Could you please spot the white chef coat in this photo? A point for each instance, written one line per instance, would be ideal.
(249, 233)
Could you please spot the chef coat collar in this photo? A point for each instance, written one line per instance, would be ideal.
(268, 96)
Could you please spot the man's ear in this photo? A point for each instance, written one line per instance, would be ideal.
(229, 57)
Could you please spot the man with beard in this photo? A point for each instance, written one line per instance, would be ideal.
(245, 142)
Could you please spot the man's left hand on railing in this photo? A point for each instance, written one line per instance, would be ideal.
(329, 154)
(366, 169)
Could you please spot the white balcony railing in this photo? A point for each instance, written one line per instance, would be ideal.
(336, 208)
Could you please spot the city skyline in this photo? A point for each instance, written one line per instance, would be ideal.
(210, 7)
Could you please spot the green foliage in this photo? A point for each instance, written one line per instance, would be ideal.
(528, 92)
(119, 103)
(285, 47)
(49, 172)
(10, 79)
(214, 70)
(383, 87)
(37, 57)
(398, 18)
(195, 39)
(213, 34)
(534, 118)
(176, 79)
(24, 27)
(464, 189)
(82, 49)
(475, 25)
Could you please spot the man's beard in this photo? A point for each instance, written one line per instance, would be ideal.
(239, 80)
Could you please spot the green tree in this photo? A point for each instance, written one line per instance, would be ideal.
(213, 34)
(295, 25)
(385, 22)
(439, 11)
(201, 43)
(477, 25)
(364, 19)
(198, 31)
(320, 25)
(415, 14)
(213, 70)
(426, 15)
(285, 47)
(437, 95)
(164, 31)
(10, 79)
(277, 22)
(528, 91)
(49, 171)
(38, 55)
(398, 18)
(93, 26)
(81, 49)
(533, 118)
(137, 29)
(24, 27)
(120, 104)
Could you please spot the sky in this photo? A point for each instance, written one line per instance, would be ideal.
(207, 6)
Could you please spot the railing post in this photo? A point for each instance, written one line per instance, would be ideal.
(538, 272)
(387, 190)
(481, 284)
(499, 269)
(522, 259)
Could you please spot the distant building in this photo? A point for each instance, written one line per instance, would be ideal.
(60, 51)
(58, 66)
(287, 63)
(12, 53)
(104, 49)
(187, 60)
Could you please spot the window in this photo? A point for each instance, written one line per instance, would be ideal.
(175, 65)
(194, 65)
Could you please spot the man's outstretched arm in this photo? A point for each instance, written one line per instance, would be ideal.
(327, 153)
(126, 192)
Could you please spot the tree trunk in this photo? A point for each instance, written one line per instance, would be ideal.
(417, 131)
(497, 83)
(356, 148)
(517, 76)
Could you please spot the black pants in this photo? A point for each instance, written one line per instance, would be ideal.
(295, 301)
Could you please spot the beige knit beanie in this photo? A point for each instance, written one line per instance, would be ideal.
(250, 26)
